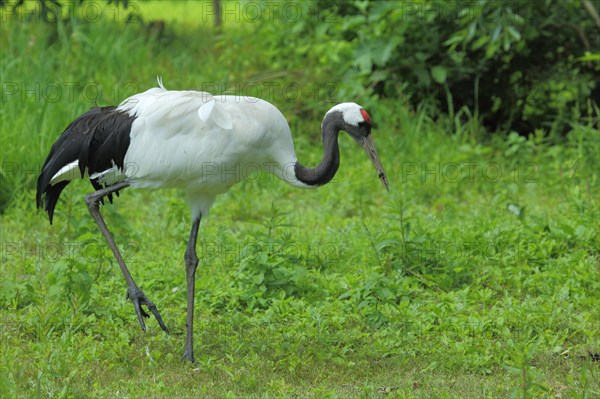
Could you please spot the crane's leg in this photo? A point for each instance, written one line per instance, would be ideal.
(191, 263)
(133, 291)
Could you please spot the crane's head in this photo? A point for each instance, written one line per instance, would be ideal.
(353, 119)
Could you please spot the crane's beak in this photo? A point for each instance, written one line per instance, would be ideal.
(369, 146)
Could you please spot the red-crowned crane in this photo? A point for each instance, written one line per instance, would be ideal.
(189, 140)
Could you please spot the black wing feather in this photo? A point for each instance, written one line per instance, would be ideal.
(96, 139)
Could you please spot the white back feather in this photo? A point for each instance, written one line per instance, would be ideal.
(206, 109)
(159, 103)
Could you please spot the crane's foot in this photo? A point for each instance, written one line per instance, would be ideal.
(189, 356)
(138, 298)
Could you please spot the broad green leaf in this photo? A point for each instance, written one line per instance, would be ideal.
(422, 75)
(496, 33)
(454, 39)
(364, 61)
(382, 51)
(593, 57)
(471, 31)
(513, 32)
(259, 278)
(439, 74)
(480, 42)
(506, 43)
(491, 49)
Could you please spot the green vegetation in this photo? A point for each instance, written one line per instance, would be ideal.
(476, 276)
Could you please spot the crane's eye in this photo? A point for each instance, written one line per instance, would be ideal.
(362, 124)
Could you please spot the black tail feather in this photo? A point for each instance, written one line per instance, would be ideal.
(96, 139)
(52, 195)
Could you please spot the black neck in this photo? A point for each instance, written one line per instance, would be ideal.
(326, 169)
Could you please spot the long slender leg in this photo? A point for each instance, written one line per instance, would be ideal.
(133, 291)
(191, 263)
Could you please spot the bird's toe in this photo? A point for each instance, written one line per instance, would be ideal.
(138, 298)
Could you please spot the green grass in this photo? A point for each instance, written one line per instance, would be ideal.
(475, 276)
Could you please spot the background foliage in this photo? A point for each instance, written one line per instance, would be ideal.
(516, 66)
(475, 276)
